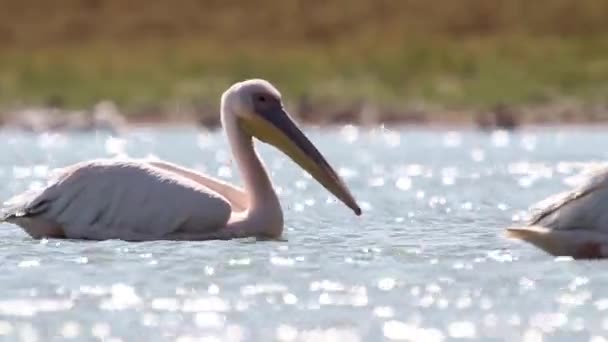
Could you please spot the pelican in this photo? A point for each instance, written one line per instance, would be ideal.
(141, 200)
(573, 223)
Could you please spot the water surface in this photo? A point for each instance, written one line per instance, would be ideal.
(425, 262)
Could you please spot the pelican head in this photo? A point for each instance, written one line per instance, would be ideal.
(259, 112)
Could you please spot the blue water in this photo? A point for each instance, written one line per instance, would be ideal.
(425, 262)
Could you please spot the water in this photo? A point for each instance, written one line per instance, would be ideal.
(425, 262)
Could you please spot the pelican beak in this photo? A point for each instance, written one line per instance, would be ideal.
(275, 127)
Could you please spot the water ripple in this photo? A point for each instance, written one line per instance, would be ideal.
(426, 261)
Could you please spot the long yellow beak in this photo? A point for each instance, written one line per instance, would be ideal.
(276, 127)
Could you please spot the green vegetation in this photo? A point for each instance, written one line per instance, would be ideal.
(455, 53)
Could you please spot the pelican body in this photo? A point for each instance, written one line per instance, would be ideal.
(572, 223)
(141, 200)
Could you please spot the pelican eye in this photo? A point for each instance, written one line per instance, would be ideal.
(264, 102)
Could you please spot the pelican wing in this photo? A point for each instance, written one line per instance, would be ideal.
(16, 206)
(581, 208)
(106, 199)
(236, 196)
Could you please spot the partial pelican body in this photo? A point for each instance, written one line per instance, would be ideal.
(137, 200)
(572, 223)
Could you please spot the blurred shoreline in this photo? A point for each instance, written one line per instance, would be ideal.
(107, 116)
(473, 62)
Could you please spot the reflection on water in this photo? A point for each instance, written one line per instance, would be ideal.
(425, 262)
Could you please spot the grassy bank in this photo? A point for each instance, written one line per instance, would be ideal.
(473, 71)
(473, 53)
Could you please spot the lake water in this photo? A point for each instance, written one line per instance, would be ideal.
(425, 262)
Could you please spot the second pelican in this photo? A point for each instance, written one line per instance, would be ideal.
(572, 223)
(154, 200)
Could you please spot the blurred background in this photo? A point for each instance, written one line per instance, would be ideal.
(483, 62)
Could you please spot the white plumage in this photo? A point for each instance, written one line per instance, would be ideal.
(118, 199)
(572, 223)
(151, 200)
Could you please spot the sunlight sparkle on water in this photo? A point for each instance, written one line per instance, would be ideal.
(427, 260)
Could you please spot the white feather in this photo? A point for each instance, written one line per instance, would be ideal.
(571, 223)
(121, 199)
(583, 207)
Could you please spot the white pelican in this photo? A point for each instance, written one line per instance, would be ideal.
(137, 200)
(572, 223)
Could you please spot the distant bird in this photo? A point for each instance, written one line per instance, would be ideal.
(500, 117)
(138, 200)
(572, 223)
